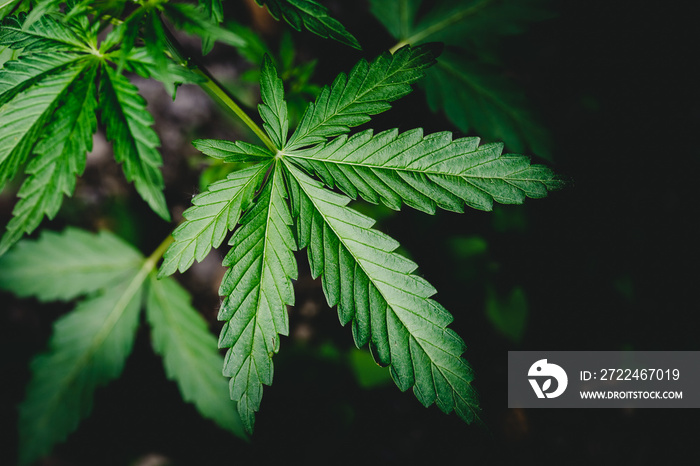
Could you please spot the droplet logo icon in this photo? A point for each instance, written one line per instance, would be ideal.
(545, 372)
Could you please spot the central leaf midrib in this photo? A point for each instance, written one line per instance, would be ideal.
(254, 320)
(464, 176)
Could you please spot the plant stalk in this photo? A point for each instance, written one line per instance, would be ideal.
(213, 88)
(427, 32)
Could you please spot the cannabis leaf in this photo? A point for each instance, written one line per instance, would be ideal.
(272, 91)
(88, 349)
(90, 345)
(425, 171)
(313, 16)
(376, 290)
(128, 126)
(189, 353)
(59, 158)
(475, 96)
(390, 307)
(213, 214)
(366, 90)
(48, 100)
(257, 287)
(64, 266)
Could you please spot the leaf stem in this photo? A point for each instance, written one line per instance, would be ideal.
(212, 86)
(437, 27)
(155, 256)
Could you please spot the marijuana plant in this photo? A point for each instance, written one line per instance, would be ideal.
(67, 69)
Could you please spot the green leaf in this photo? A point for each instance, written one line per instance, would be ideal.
(425, 171)
(389, 306)
(139, 61)
(67, 265)
(39, 9)
(6, 7)
(457, 22)
(213, 214)
(59, 158)
(397, 16)
(125, 33)
(45, 34)
(88, 349)
(128, 125)
(257, 287)
(313, 16)
(367, 373)
(273, 109)
(30, 90)
(508, 314)
(230, 152)
(191, 359)
(366, 91)
(477, 98)
(194, 20)
(213, 8)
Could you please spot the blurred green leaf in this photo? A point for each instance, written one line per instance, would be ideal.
(190, 354)
(67, 265)
(88, 349)
(476, 98)
(368, 373)
(467, 247)
(508, 314)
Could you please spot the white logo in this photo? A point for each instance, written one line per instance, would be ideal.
(543, 369)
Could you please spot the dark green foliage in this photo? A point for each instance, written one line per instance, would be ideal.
(90, 345)
(374, 288)
(67, 73)
(313, 16)
(465, 83)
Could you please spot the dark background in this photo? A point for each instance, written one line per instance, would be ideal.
(609, 263)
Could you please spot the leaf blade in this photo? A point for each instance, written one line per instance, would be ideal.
(407, 329)
(128, 126)
(313, 16)
(366, 90)
(63, 266)
(273, 109)
(181, 337)
(44, 35)
(213, 214)
(87, 350)
(30, 90)
(425, 172)
(257, 287)
(59, 158)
